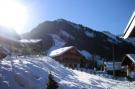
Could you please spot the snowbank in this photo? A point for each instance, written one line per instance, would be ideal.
(32, 73)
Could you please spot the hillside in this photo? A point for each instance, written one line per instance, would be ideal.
(32, 73)
(60, 33)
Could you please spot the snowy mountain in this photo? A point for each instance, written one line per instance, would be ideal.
(112, 37)
(60, 33)
(32, 73)
(131, 40)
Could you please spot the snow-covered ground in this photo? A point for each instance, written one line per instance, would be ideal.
(32, 73)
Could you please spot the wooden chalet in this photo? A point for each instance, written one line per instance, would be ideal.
(70, 57)
(128, 64)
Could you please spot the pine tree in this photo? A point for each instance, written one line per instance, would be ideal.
(82, 64)
(52, 84)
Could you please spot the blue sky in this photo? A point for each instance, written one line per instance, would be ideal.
(101, 15)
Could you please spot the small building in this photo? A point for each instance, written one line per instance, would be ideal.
(128, 64)
(116, 67)
(109, 66)
(70, 57)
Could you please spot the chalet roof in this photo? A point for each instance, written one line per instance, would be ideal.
(30, 40)
(130, 26)
(131, 58)
(60, 51)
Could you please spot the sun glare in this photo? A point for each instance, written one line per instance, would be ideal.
(13, 15)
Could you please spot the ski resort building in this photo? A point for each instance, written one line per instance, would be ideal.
(70, 57)
(129, 65)
(129, 60)
(109, 65)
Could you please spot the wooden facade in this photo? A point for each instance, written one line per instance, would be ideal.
(129, 60)
(128, 64)
(70, 57)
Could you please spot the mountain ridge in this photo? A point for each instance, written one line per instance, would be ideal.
(84, 38)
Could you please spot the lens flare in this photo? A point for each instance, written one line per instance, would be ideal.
(13, 15)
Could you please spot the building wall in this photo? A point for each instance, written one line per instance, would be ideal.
(129, 67)
(72, 58)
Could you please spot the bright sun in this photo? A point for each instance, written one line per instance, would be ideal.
(13, 15)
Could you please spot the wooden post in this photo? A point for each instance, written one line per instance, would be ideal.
(113, 62)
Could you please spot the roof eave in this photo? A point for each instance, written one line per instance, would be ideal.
(127, 31)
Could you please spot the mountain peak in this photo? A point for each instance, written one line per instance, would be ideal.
(61, 20)
(61, 33)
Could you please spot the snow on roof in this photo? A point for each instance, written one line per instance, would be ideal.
(132, 57)
(60, 51)
(30, 40)
(130, 26)
(86, 54)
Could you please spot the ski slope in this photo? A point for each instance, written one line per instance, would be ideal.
(32, 73)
